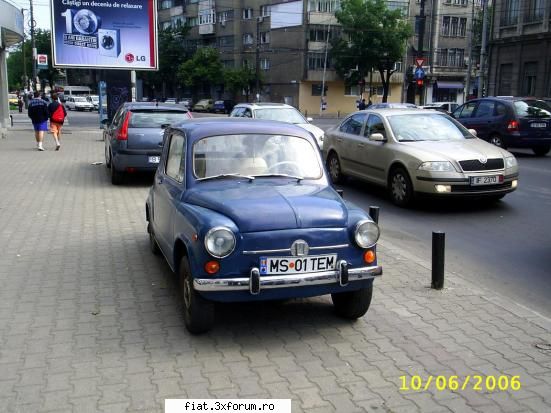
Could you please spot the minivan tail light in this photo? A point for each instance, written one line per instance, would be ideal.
(123, 132)
(512, 126)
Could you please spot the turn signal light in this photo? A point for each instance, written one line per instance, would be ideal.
(369, 256)
(212, 267)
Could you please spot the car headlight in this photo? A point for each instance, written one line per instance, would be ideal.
(437, 166)
(510, 162)
(220, 242)
(366, 233)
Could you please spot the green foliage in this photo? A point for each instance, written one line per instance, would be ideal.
(203, 68)
(237, 79)
(373, 37)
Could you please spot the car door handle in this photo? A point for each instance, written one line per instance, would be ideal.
(360, 145)
(339, 139)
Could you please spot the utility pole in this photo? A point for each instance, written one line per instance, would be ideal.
(470, 64)
(258, 21)
(25, 78)
(322, 100)
(481, 76)
(421, 39)
(33, 46)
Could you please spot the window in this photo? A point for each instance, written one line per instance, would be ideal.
(352, 90)
(505, 79)
(501, 109)
(379, 90)
(247, 14)
(228, 64)
(509, 13)
(264, 37)
(166, 25)
(248, 38)
(316, 89)
(265, 11)
(174, 162)
(462, 27)
(225, 16)
(467, 110)
(166, 4)
(529, 78)
(353, 124)
(207, 17)
(225, 41)
(454, 27)
(535, 11)
(265, 64)
(446, 26)
(177, 21)
(192, 21)
(375, 125)
(324, 6)
(316, 61)
(485, 109)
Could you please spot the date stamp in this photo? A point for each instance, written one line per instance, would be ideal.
(457, 383)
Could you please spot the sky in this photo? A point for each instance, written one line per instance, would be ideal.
(41, 13)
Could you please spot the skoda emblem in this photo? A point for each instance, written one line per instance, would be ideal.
(299, 248)
(483, 160)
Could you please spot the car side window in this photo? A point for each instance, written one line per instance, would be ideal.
(354, 124)
(485, 109)
(375, 125)
(467, 110)
(117, 117)
(175, 162)
(247, 113)
(501, 109)
(237, 113)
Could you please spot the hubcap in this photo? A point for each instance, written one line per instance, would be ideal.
(496, 141)
(334, 168)
(399, 187)
(187, 293)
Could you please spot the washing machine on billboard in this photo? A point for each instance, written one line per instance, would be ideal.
(109, 42)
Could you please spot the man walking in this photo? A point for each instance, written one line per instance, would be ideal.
(57, 117)
(38, 112)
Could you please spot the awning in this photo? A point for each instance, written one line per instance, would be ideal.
(449, 85)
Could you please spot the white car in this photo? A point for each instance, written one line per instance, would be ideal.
(94, 100)
(78, 103)
(446, 106)
(280, 112)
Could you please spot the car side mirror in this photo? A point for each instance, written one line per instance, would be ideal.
(310, 119)
(165, 125)
(472, 132)
(377, 137)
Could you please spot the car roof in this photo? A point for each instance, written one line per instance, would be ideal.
(398, 111)
(198, 128)
(153, 105)
(264, 105)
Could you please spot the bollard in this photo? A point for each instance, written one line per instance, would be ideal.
(338, 114)
(340, 192)
(306, 113)
(438, 247)
(374, 213)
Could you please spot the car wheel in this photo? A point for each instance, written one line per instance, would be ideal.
(198, 312)
(400, 187)
(541, 150)
(116, 176)
(334, 168)
(153, 246)
(497, 141)
(352, 304)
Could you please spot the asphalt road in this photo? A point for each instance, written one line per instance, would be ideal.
(505, 246)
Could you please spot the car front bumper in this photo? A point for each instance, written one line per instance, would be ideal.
(254, 282)
(462, 186)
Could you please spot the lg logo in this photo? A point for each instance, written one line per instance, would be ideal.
(130, 58)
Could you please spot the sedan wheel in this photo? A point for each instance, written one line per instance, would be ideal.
(198, 312)
(497, 141)
(334, 166)
(400, 187)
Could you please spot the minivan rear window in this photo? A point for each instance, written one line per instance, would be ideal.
(532, 109)
(155, 118)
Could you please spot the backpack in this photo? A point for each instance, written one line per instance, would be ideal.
(58, 116)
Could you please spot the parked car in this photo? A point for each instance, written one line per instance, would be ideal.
(94, 100)
(413, 152)
(204, 105)
(171, 100)
(12, 99)
(186, 102)
(392, 105)
(223, 106)
(78, 103)
(509, 122)
(243, 211)
(134, 138)
(280, 112)
(448, 107)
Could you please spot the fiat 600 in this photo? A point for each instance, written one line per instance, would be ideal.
(242, 210)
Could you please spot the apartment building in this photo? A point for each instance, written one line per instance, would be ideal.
(520, 48)
(292, 38)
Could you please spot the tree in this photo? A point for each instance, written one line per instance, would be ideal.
(374, 37)
(238, 79)
(202, 70)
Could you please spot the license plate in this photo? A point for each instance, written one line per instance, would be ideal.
(297, 265)
(154, 159)
(538, 125)
(486, 180)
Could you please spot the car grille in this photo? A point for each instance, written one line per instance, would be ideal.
(476, 165)
(481, 188)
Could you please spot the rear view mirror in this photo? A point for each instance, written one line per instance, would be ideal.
(377, 137)
(310, 119)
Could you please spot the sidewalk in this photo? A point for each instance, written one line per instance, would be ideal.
(90, 320)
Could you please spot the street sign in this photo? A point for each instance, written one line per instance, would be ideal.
(419, 61)
(419, 73)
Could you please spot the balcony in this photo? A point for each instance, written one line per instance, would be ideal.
(317, 75)
(316, 46)
(315, 17)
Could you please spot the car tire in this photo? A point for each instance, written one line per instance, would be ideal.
(496, 140)
(116, 176)
(400, 187)
(352, 304)
(334, 168)
(153, 245)
(541, 150)
(198, 312)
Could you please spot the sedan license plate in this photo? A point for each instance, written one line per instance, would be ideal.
(154, 159)
(538, 125)
(486, 180)
(297, 265)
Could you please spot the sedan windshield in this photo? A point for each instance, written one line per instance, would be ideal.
(255, 155)
(532, 109)
(426, 127)
(288, 115)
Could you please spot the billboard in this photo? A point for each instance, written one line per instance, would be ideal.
(104, 34)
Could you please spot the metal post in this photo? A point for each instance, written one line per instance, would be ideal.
(33, 46)
(374, 213)
(438, 247)
(258, 21)
(133, 84)
(324, 69)
(421, 39)
(481, 82)
(470, 64)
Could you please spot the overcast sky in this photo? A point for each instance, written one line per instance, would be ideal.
(41, 13)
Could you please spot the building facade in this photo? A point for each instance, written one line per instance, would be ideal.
(292, 39)
(520, 49)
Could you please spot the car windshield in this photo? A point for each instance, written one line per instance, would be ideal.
(532, 109)
(255, 155)
(80, 100)
(155, 118)
(94, 98)
(426, 127)
(289, 115)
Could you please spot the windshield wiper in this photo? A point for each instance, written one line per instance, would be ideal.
(298, 178)
(221, 176)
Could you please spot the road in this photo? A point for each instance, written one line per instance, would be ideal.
(505, 247)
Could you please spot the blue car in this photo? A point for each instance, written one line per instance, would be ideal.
(243, 210)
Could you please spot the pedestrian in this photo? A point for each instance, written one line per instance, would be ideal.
(361, 106)
(38, 112)
(369, 103)
(20, 104)
(57, 117)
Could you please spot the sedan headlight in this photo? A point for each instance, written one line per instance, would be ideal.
(437, 166)
(220, 242)
(366, 233)
(510, 162)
